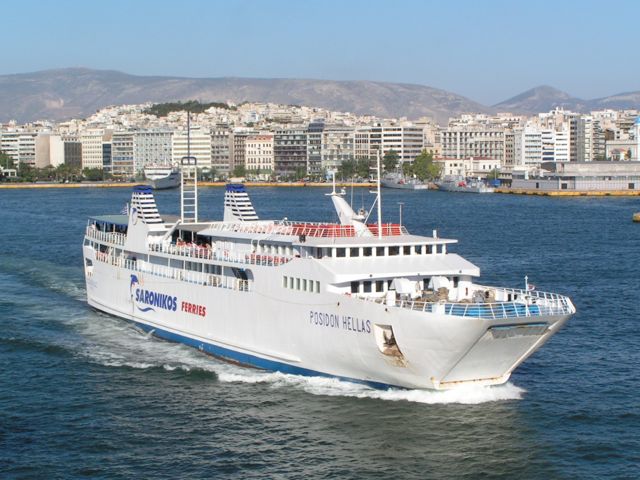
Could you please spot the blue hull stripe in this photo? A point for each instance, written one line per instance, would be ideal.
(251, 360)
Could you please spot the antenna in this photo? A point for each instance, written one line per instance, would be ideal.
(189, 183)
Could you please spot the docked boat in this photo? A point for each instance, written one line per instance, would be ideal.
(161, 177)
(464, 185)
(398, 180)
(358, 300)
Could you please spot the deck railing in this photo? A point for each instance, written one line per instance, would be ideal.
(199, 278)
(199, 252)
(108, 237)
(309, 229)
(522, 304)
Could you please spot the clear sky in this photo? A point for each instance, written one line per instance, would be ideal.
(487, 50)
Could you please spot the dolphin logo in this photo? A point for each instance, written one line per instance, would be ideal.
(132, 284)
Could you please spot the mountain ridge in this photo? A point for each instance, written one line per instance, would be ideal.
(77, 92)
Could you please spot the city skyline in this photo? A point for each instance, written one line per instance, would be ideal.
(487, 52)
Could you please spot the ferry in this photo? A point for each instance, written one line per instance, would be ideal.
(162, 177)
(363, 301)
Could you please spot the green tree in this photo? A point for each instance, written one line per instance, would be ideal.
(347, 169)
(239, 171)
(390, 161)
(93, 174)
(6, 161)
(424, 168)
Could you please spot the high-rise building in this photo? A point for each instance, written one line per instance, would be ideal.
(221, 151)
(314, 147)
(151, 147)
(338, 142)
(122, 163)
(290, 151)
(91, 140)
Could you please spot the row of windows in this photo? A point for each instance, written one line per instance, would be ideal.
(301, 284)
(394, 250)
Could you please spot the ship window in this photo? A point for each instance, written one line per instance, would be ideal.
(311, 285)
(456, 280)
(379, 251)
(354, 252)
(395, 250)
(366, 286)
(354, 287)
(340, 252)
(418, 249)
(304, 284)
(317, 286)
(379, 285)
(367, 252)
(407, 250)
(291, 281)
(284, 281)
(429, 249)
(297, 284)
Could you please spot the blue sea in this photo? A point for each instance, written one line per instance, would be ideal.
(87, 395)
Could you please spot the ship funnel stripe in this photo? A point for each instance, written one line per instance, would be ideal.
(237, 204)
(145, 204)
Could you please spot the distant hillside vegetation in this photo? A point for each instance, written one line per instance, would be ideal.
(193, 106)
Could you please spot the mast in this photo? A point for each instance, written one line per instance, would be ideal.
(189, 182)
(379, 197)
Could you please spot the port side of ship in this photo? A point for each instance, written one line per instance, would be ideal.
(365, 302)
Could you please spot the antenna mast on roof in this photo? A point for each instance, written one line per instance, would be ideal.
(189, 183)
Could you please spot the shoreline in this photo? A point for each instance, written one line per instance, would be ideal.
(200, 184)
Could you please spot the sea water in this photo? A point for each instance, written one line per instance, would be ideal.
(87, 395)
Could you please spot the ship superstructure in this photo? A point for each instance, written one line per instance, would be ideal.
(367, 302)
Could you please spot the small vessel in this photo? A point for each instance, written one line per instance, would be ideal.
(398, 180)
(636, 217)
(460, 184)
(360, 300)
(161, 177)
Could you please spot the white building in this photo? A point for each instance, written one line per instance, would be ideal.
(151, 147)
(198, 146)
(259, 155)
(91, 140)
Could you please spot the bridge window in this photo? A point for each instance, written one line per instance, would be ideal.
(340, 252)
(367, 252)
(354, 287)
(366, 286)
(393, 251)
(379, 251)
(429, 249)
(418, 249)
(354, 252)
(379, 285)
(406, 250)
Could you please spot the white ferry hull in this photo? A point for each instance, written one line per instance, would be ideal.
(170, 181)
(318, 333)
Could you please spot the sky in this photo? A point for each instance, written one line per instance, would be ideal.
(486, 50)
